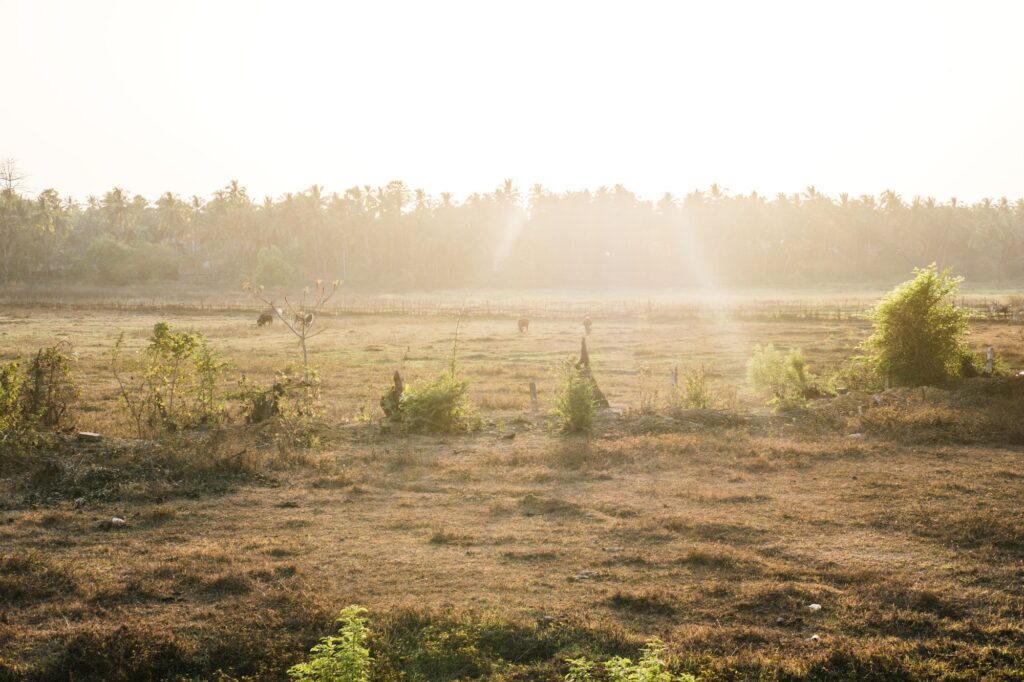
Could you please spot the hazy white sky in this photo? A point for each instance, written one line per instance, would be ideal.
(922, 97)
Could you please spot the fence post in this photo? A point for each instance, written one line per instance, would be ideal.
(534, 403)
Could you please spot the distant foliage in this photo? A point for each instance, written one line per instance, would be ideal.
(920, 332)
(575, 407)
(396, 235)
(116, 262)
(782, 377)
(650, 667)
(271, 267)
(339, 658)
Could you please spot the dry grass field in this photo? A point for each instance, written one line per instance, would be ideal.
(499, 553)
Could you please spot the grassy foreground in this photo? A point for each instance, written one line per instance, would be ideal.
(493, 556)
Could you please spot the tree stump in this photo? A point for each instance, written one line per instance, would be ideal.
(583, 366)
(391, 401)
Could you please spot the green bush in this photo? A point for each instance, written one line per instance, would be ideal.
(173, 383)
(341, 658)
(49, 389)
(438, 406)
(919, 331)
(299, 407)
(39, 396)
(783, 377)
(696, 394)
(575, 407)
(12, 418)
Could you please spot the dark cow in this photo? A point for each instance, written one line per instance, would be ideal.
(524, 325)
(264, 319)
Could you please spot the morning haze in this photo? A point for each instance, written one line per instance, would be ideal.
(350, 342)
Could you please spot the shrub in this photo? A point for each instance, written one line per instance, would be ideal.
(299, 406)
(782, 376)
(438, 406)
(11, 415)
(575, 406)
(49, 390)
(919, 331)
(341, 658)
(696, 394)
(175, 383)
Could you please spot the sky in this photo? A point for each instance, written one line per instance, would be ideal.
(925, 98)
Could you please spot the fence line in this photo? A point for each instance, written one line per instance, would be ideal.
(838, 310)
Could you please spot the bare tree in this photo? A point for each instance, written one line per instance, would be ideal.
(11, 177)
(300, 316)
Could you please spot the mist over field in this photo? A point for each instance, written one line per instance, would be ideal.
(457, 341)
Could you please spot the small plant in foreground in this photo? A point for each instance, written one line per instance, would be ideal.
(575, 407)
(919, 331)
(651, 667)
(339, 658)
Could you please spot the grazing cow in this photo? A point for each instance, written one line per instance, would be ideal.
(587, 323)
(264, 319)
(524, 325)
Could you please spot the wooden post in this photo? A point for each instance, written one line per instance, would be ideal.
(534, 403)
(990, 358)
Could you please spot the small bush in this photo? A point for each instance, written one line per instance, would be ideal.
(575, 407)
(438, 406)
(174, 384)
(12, 419)
(919, 331)
(695, 394)
(341, 658)
(299, 408)
(782, 376)
(49, 391)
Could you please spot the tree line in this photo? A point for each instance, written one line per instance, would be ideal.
(396, 237)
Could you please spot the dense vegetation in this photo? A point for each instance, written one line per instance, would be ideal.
(396, 237)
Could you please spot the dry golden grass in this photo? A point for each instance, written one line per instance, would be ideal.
(509, 553)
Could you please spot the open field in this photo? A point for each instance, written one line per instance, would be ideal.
(488, 556)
